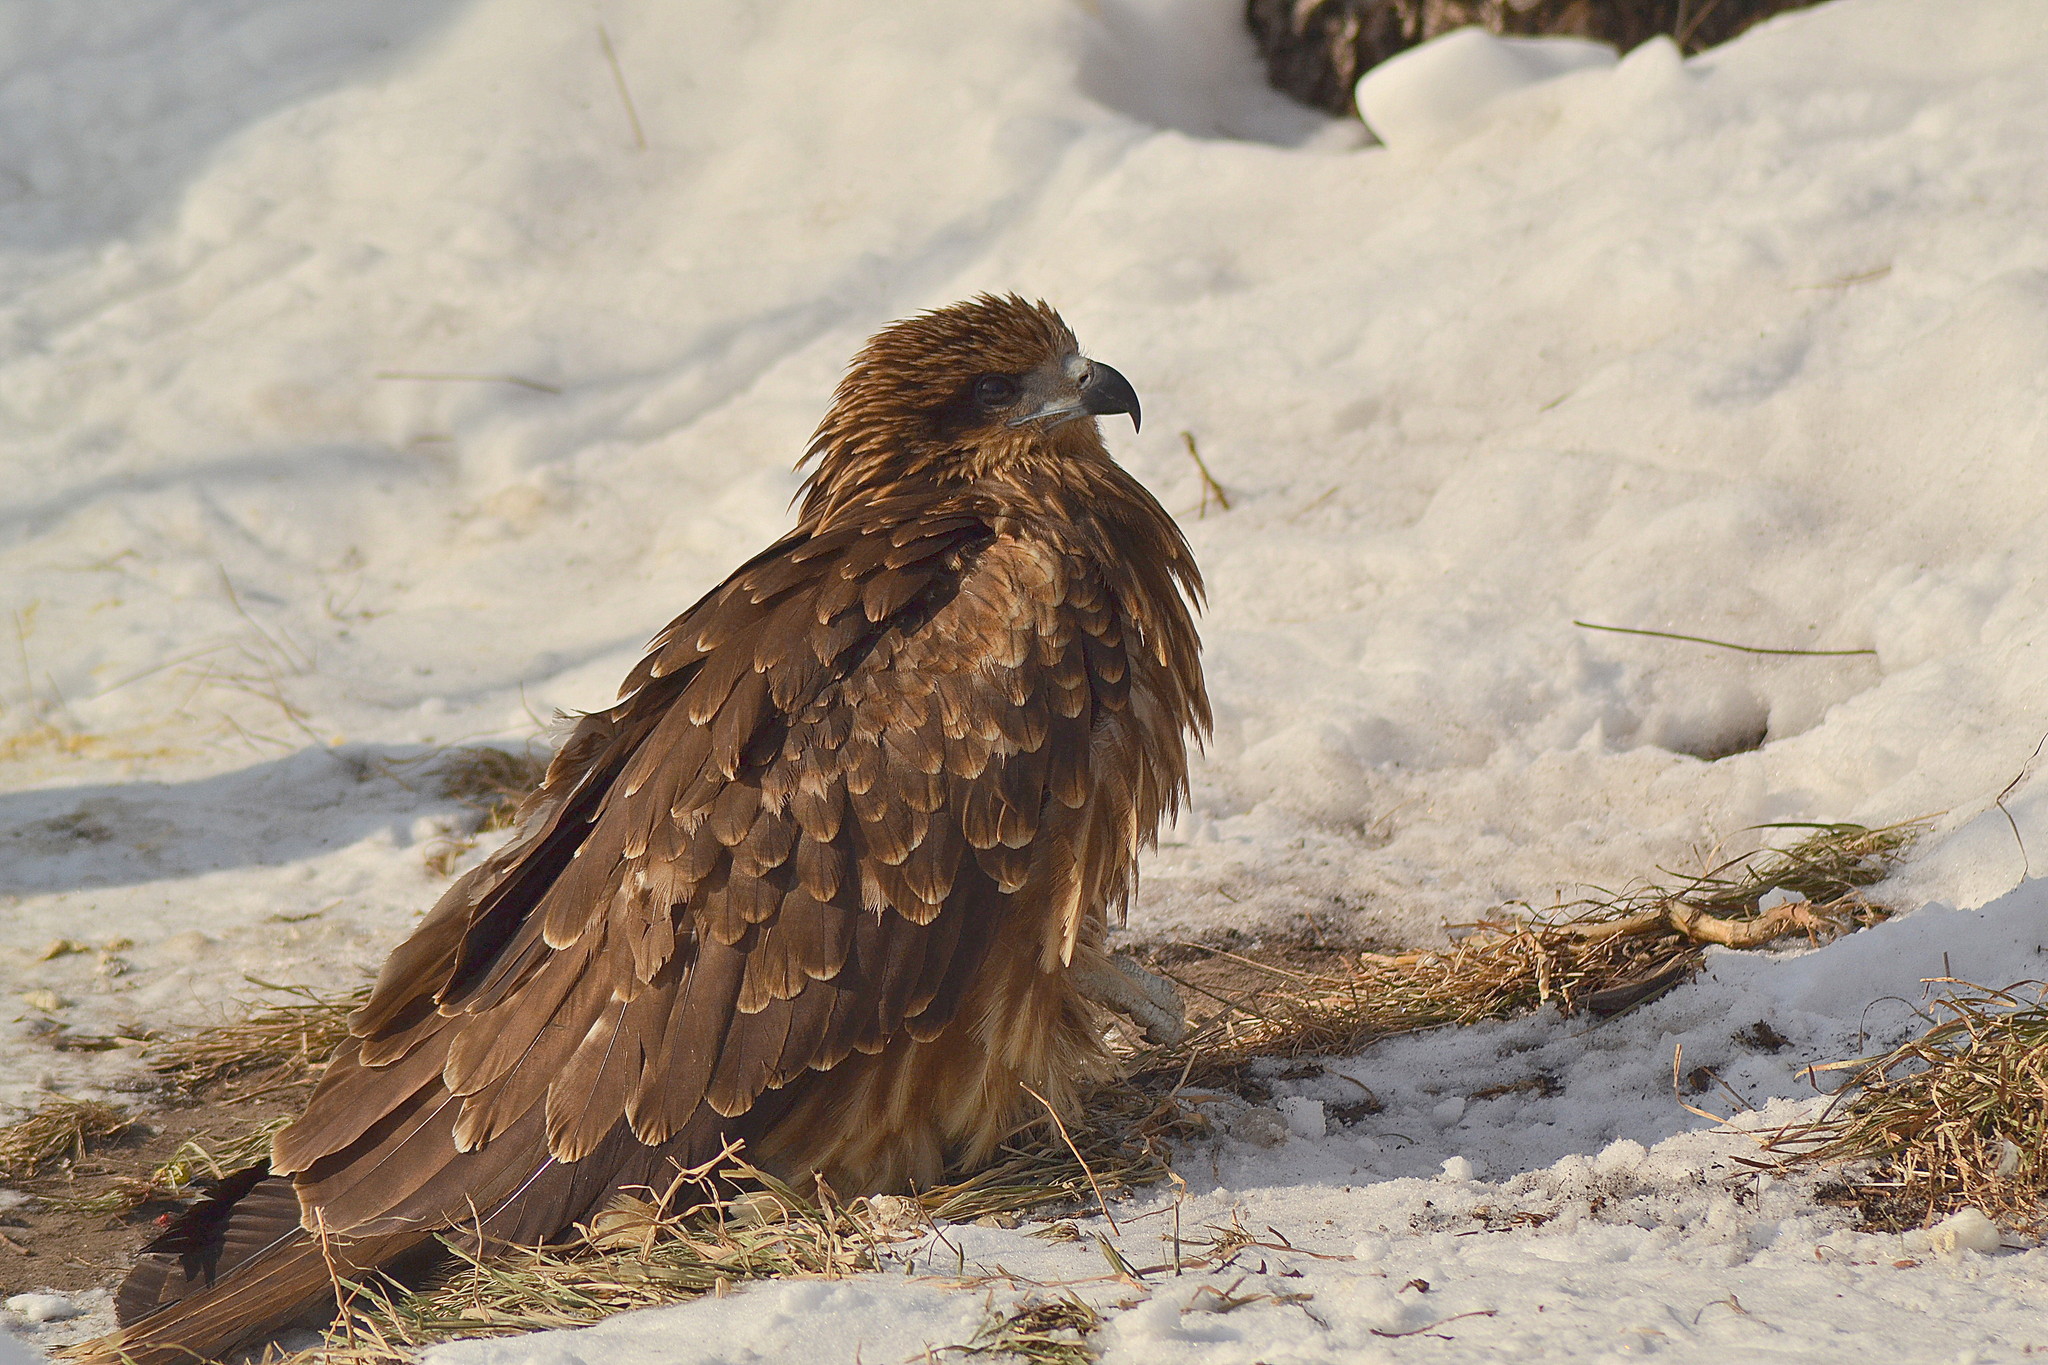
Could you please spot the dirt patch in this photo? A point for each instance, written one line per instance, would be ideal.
(65, 1239)
(1232, 970)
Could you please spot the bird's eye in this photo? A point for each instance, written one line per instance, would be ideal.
(996, 390)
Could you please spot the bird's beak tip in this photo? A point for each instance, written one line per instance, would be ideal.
(1107, 391)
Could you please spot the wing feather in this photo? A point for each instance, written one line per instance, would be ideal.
(795, 837)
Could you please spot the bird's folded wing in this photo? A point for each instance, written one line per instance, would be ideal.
(795, 836)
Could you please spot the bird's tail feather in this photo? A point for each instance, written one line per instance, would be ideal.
(234, 1269)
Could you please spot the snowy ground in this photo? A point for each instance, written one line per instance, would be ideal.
(367, 386)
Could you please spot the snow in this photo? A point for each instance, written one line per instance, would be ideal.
(12, 1352)
(1965, 1229)
(40, 1307)
(1426, 93)
(1752, 346)
(790, 1320)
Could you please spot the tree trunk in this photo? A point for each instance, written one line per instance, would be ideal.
(1316, 50)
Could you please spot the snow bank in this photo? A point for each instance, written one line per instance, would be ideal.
(367, 386)
(1428, 92)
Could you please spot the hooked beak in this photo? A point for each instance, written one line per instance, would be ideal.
(1105, 391)
(1083, 388)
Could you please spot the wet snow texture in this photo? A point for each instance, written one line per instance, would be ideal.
(364, 387)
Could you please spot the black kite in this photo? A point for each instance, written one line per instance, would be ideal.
(830, 878)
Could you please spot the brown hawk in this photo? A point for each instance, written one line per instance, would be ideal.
(831, 878)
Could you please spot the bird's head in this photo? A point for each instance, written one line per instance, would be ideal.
(987, 390)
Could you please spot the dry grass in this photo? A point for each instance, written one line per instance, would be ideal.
(636, 1255)
(61, 1130)
(45, 738)
(1827, 867)
(195, 1163)
(274, 1050)
(641, 1254)
(686, 1242)
(193, 1167)
(1603, 955)
(695, 1238)
(1957, 1116)
(493, 783)
(490, 781)
(1040, 1331)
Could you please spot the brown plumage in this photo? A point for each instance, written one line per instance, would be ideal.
(822, 880)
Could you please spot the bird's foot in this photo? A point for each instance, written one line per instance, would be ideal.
(1118, 983)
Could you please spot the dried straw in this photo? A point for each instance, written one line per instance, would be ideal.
(491, 781)
(1603, 954)
(274, 1050)
(1957, 1116)
(1040, 1331)
(60, 1130)
(1600, 954)
(191, 1168)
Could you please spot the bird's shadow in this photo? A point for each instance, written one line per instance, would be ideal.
(289, 809)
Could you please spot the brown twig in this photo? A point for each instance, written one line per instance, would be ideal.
(1086, 1170)
(1701, 927)
(1418, 1331)
(334, 1280)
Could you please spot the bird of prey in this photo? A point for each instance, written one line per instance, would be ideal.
(830, 879)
